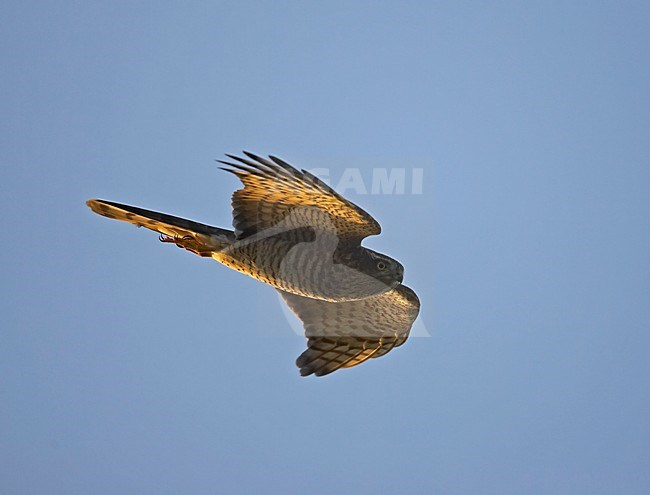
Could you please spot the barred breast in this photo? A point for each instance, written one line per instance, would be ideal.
(308, 269)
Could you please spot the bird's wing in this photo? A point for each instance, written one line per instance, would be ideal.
(274, 191)
(344, 334)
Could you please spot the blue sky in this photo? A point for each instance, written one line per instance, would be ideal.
(133, 367)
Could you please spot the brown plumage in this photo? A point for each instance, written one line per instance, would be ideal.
(295, 233)
(274, 191)
(344, 334)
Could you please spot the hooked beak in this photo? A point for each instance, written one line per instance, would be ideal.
(400, 274)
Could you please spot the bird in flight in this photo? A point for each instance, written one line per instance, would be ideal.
(294, 232)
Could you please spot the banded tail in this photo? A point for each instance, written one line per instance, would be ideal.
(201, 239)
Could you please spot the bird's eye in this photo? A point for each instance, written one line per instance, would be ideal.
(381, 265)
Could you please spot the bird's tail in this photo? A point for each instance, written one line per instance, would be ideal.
(199, 238)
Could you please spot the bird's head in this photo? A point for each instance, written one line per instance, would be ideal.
(380, 267)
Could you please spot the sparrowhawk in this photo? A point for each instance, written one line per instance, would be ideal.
(295, 233)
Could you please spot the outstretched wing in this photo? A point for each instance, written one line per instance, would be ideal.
(344, 334)
(274, 190)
